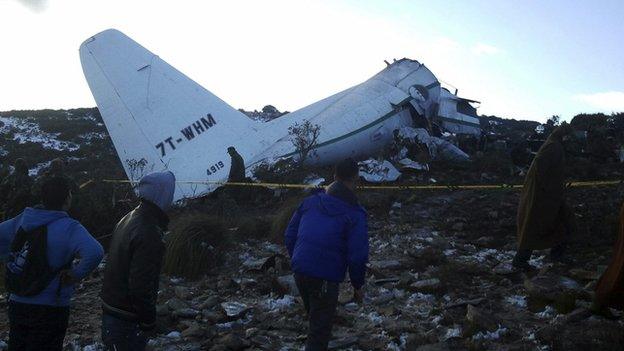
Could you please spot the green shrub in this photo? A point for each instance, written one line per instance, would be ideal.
(282, 218)
(197, 243)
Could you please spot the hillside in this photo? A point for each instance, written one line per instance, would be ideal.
(439, 274)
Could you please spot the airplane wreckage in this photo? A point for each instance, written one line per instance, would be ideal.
(161, 119)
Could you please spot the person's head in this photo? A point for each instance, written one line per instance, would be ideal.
(56, 194)
(158, 188)
(56, 166)
(347, 171)
(20, 166)
(231, 150)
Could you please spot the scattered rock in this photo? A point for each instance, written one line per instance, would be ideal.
(176, 304)
(185, 313)
(174, 335)
(214, 316)
(233, 342)
(589, 334)
(162, 310)
(193, 331)
(251, 332)
(426, 285)
(235, 309)
(480, 320)
(547, 289)
(182, 292)
(458, 227)
(504, 268)
(575, 316)
(582, 274)
(385, 264)
(343, 343)
(386, 280)
(287, 282)
(384, 298)
(259, 264)
(210, 302)
(461, 302)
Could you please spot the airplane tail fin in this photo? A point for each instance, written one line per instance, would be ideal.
(160, 119)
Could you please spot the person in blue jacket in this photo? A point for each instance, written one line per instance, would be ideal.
(327, 236)
(39, 322)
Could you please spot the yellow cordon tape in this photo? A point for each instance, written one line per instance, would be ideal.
(386, 187)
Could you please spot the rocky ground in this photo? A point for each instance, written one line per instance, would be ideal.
(439, 279)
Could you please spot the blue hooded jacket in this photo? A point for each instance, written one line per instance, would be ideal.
(327, 235)
(67, 240)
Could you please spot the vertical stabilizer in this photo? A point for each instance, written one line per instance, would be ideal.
(160, 119)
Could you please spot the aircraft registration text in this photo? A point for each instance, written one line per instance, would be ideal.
(188, 133)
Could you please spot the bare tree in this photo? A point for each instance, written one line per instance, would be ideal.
(136, 168)
(304, 138)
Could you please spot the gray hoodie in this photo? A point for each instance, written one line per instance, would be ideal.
(158, 188)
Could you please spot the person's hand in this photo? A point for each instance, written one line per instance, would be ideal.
(67, 278)
(358, 295)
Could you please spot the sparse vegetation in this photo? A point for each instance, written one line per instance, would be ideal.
(195, 246)
(282, 218)
(257, 228)
(304, 138)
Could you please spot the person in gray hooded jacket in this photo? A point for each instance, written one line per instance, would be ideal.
(132, 271)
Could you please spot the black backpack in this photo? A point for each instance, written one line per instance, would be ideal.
(27, 269)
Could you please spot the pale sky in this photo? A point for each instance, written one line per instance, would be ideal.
(523, 59)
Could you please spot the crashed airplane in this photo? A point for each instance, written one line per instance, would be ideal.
(160, 119)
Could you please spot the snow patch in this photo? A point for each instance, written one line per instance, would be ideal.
(517, 300)
(38, 168)
(452, 333)
(548, 313)
(25, 131)
(495, 335)
(279, 304)
(375, 318)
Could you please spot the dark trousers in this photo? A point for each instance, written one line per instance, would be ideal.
(122, 335)
(37, 327)
(320, 299)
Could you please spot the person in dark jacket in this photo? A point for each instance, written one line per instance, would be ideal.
(39, 322)
(132, 271)
(327, 236)
(545, 220)
(237, 167)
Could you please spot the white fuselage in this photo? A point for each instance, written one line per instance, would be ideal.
(158, 118)
(358, 122)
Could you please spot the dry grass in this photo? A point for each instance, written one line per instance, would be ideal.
(195, 246)
(254, 228)
(282, 218)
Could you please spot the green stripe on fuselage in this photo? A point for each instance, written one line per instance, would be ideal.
(350, 134)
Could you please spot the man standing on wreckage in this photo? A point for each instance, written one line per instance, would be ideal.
(328, 234)
(545, 221)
